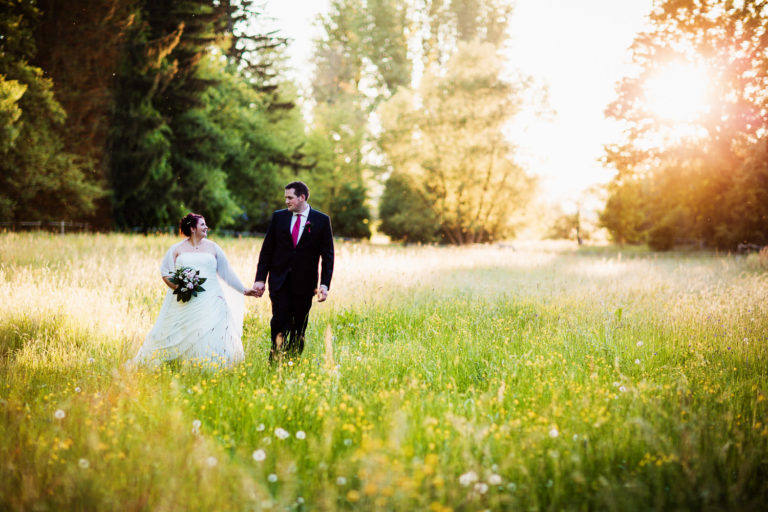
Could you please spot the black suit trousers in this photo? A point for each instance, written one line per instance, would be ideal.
(290, 313)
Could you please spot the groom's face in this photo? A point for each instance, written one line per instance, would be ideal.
(293, 202)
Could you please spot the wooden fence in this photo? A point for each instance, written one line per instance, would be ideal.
(60, 226)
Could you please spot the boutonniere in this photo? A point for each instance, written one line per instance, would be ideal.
(308, 225)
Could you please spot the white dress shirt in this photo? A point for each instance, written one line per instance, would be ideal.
(304, 216)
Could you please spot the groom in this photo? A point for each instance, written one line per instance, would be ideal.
(297, 238)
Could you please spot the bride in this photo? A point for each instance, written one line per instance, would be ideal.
(206, 330)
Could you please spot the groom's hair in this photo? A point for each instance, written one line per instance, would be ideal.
(300, 188)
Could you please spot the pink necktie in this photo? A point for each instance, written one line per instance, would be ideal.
(295, 231)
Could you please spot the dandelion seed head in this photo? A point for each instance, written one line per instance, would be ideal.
(468, 478)
(481, 488)
(83, 463)
(259, 455)
(301, 434)
(281, 433)
(494, 479)
(553, 432)
(211, 461)
(59, 414)
(341, 480)
(272, 478)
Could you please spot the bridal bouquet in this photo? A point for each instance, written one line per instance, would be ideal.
(189, 282)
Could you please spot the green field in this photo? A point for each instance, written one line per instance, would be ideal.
(539, 377)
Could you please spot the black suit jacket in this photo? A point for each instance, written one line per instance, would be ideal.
(278, 257)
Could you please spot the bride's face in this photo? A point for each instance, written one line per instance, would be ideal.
(201, 230)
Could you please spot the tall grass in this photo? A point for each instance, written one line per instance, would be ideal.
(456, 379)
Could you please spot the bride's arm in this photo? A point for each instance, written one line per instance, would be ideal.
(226, 272)
(167, 267)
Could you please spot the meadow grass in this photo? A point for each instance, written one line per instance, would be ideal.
(537, 378)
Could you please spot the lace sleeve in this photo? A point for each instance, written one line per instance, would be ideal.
(225, 271)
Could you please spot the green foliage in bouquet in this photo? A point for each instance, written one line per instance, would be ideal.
(188, 280)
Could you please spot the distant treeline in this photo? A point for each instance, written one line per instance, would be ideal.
(708, 183)
(127, 113)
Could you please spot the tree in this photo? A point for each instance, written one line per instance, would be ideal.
(687, 178)
(166, 156)
(447, 135)
(39, 178)
(444, 139)
(143, 184)
(405, 212)
(80, 44)
(361, 60)
(261, 148)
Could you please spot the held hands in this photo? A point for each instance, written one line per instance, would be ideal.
(257, 290)
(259, 287)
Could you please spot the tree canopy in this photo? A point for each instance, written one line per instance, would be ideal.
(699, 175)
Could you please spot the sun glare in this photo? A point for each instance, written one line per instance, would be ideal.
(678, 93)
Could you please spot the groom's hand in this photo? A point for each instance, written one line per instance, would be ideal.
(258, 288)
(322, 293)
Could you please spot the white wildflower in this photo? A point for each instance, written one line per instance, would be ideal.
(259, 455)
(468, 478)
(301, 435)
(281, 433)
(59, 414)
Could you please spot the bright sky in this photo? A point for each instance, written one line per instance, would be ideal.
(577, 48)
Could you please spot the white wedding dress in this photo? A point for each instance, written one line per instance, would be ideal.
(205, 331)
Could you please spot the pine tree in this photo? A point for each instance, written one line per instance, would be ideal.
(39, 178)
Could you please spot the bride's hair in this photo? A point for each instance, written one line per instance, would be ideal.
(188, 222)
